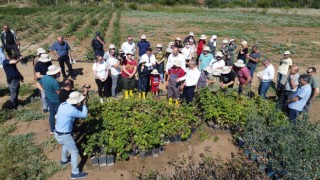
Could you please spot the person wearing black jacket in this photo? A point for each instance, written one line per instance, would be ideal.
(143, 74)
(97, 44)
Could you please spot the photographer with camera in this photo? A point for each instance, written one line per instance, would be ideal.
(13, 79)
(74, 107)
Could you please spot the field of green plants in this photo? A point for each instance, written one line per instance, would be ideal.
(269, 144)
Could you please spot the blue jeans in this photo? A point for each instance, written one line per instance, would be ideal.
(293, 115)
(251, 69)
(114, 84)
(43, 100)
(162, 78)
(188, 93)
(263, 88)
(142, 84)
(68, 144)
(53, 109)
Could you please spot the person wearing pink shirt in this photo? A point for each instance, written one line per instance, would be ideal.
(244, 76)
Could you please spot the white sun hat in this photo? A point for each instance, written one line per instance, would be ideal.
(191, 34)
(143, 37)
(130, 52)
(214, 37)
(44, 58)
(232, 40)
(206, 48)
(216, 72)
(112, 46)
(225, 41)
(219, 54)
(244, 42)
(203, 36)
(75, 98)
(159, 46)
(286, 53)
(178, 39)
(208, 69)
(53, 69)
(40, 51)
(154, 72)
(239, 63)
(226, 70)
(142, 61)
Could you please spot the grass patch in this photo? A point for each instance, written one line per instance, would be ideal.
(20, 158)
(28, 115)
(26, 89)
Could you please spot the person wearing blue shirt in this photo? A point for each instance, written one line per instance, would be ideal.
(97, 44)
(13, 79)
(299, 98)
(205, 58)
(67, 114)
(52, 90)
(61, 50)
(143, 45)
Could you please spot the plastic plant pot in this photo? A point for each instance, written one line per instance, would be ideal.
(143, 154)
(103, 160)
(110, 159)
(270, 172)
(246, 152)
(210, 124)
(178, 138)
(193, 130)
(240, 142)
(161, 149)
(134, 152)
(166, 140)
(172, 139)
(155, 152)
(95, 161)
(149, 152)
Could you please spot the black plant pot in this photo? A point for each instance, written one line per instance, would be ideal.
(161, 149)
(103, 160)
(155, 152)
(240, 142)
(149, 152)
(172, 139)
(193, 130)
(134, 152)
(110, 159)
(178, 138)
(210, 124)
(270, 172)
(95, 161)
(166, 140)
(143, 154)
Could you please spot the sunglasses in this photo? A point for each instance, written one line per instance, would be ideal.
(129, 39)
(309, 72)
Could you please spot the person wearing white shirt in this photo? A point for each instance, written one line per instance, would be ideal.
(149, 58)
(187, 51)
(115, 69)
(176, 56)
(217, 62)
(265, 77)
(128, 46)
(100, 70)
(191, 80)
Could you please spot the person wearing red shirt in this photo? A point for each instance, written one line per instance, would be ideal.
(155, 82)
(173, 82)
(244, 77)
(201, 43)
(129, 68)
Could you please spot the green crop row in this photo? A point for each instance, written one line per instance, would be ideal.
(115, 34)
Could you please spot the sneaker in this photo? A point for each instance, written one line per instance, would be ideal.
(64, 163)
(79, 175)
(45, 110)
(101, 100)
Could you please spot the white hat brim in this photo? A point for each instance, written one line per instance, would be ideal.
(54, 72)
(44, 59)
(75, 101)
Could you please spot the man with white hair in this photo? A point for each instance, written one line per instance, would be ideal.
(74, 107)
(129, 46)
(106, 55)
(176, 56)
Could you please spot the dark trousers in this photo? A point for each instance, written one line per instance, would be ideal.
(62, 60)
(98, 53)
(102, 87)
(53, 109)
(283, 98)
(14, 87)
(143, 84)
(293, 115)
(128, 83)
(14, 48)
(188, 93)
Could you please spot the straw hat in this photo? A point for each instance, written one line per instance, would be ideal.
(44, 58)
(206, 48)
(142, 61)
(203, 36)
(239, 63)
(219, 54)
(155, 72)
(112, 46)
(231, 40)
(244, 42)
(159, 46)
(176, 63)
(130, 53)
(75, 98)
(178, 39)
(40, 51)
(286, 53)
(226, 70)
(191, 34)
(53, 69)
(143, 37)
(216, 72)
(225, 41)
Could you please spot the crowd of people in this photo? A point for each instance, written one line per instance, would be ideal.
(179, 70)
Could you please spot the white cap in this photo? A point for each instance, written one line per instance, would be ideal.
(112, 46)
(287, 52)
(225, 41)
(143, 37)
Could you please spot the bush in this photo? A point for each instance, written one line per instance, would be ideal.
(125, 125)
